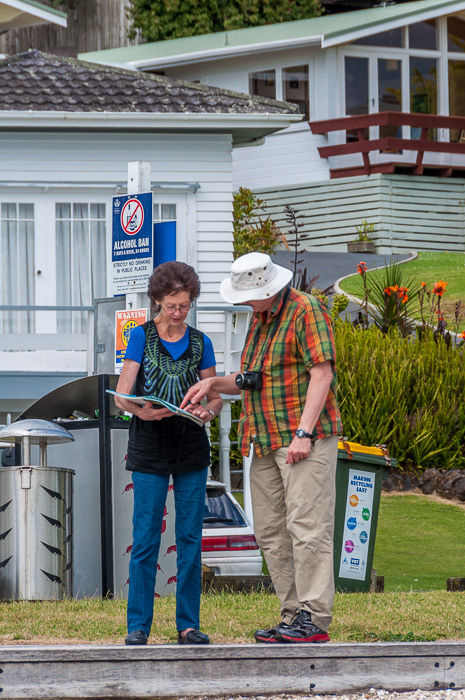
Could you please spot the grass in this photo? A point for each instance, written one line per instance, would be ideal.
(418, 537)
(232, 618)
(419, 542)
(429, 268)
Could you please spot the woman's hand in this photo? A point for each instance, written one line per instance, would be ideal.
(149, 412)
(200, 411)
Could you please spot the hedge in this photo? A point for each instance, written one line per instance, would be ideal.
(400, 392)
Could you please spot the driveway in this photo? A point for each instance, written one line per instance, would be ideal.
(332, 266)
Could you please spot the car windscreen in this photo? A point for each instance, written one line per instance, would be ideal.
(220, 511)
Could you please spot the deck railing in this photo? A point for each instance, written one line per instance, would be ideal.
(359, 126)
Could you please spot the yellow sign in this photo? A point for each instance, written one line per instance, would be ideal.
(125, 322)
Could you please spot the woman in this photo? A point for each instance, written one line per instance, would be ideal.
(164, 358)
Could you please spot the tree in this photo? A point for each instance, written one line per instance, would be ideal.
(172, 19)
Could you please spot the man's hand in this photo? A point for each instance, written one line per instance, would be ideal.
(196, 394)
(299, 449)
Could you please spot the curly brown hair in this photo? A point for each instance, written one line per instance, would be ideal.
(172, 277)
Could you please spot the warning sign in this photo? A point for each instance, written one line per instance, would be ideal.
(125, 322)
(132, 243)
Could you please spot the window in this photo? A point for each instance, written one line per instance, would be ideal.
(456, 34)
(423, 35)
(263, 84)
(423, 90)
(356, 90)
(393, 39)
(17, 266)
(164, 212)
(295, 88)
(423, 85)
(80, 232)
(389, 91)
(456, 95)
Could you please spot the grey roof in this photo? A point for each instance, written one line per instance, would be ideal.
(41, 82)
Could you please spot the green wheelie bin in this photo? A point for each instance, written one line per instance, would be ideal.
(359, 476)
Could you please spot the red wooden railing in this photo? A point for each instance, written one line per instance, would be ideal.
(365, 146)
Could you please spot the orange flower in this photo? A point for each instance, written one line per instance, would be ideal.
(439, 288)
(361, 267)
(462, 335)
(423, 284)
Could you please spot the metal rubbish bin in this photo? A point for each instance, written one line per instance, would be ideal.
(36, 512)
(102, 488)
(358, 490)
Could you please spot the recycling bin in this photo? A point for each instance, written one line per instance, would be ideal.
(36, 518)
(359, 477)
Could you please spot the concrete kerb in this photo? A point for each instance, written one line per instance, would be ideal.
(337, 289)
(355, 300)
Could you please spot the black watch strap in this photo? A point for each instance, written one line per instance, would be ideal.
(302, 434)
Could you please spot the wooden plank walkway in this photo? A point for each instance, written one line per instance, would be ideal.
(159, 671)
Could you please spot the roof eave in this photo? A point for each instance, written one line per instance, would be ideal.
(243, 127)
(217, 53)
(414, 16)
(39, 13)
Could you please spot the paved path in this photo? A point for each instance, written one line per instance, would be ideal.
(332, 266)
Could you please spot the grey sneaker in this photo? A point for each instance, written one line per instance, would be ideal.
(269, 636)
(302, 631)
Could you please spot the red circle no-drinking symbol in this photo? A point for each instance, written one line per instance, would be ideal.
(132, 217)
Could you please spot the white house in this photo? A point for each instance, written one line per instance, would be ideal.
(67, 131)
(407, 58)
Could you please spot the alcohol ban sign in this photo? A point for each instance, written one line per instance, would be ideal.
(132, 243)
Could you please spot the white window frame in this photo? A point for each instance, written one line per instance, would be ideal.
(373, 53)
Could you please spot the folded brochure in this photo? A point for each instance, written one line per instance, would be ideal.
(159, 402)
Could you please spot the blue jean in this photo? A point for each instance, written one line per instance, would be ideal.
(150, 492)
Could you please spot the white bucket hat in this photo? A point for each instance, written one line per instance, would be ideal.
(254, 277)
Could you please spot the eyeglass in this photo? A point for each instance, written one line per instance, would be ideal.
(171, 308)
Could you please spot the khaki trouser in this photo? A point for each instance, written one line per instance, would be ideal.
(293, 508)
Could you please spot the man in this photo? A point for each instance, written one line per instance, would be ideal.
(291, 417)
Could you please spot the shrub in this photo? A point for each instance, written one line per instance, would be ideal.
(390, 300)
(365, 231)
(403, 393)
(252, 230)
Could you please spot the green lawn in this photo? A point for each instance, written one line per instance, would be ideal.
(428, 268)
(420, 542)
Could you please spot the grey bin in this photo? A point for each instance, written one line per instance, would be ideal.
(36, 518)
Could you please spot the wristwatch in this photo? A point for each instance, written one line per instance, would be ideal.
(301, 434)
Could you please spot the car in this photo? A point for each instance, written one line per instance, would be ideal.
(229, 547)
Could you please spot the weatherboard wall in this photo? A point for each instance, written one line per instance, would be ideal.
(47, 168)
(288, 157)
(409, 212)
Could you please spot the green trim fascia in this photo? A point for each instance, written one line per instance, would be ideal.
(45, 8)
(397, 12)
(327, 27)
